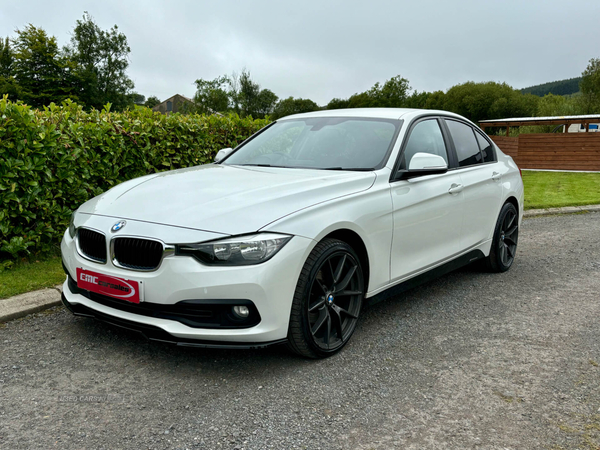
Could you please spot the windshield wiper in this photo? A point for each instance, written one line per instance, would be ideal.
(258, 165)
(350, 169)
(359, 169)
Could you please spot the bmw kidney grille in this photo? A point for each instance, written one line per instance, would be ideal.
(137, 254)
(92, 245)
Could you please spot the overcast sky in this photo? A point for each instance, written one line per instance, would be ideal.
(325, 49)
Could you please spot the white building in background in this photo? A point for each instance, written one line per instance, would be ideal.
(580, 128)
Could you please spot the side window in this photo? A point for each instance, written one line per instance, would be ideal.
(487, 150)
(425, 137)
(467, 148)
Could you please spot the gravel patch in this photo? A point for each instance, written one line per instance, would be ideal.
(471, 360)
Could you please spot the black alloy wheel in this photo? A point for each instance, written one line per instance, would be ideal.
(504, 244)
(327, 301)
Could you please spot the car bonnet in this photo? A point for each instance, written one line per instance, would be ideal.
(225, 199)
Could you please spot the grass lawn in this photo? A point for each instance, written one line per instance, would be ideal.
(556, 189)
(29, 276)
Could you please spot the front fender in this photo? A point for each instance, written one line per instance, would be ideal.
(367, 213)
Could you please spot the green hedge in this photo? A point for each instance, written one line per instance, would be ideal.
(53, 160)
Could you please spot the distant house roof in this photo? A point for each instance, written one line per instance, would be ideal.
(172, 104)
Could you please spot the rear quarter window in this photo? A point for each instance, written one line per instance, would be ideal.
(487, 149)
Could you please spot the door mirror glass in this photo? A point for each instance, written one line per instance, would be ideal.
(222, 154)
(427, 161)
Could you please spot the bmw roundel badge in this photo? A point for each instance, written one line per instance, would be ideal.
(117, 226)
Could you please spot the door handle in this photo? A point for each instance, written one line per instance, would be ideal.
(496, 176)
(455, 188)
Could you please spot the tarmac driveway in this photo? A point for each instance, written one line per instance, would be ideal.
(472, 360)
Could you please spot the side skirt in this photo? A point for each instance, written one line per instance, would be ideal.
(439, 271)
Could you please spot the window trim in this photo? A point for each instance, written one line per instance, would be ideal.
(489, 141)
(456, 119)
(458, 166)
(451, 157)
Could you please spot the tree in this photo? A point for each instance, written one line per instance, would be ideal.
(293, 105)
(211, 96)
(362, 100)
(558, 105)
(417, 100)
(590, 87)
(137, 98)
(392, 94)
(337, 103)
(248, 94)
(152, 101)
(101, 62)
(479, 101)
(8, 84)
(265, 102)
(39, 69)
(6, 59)
(435, 100)
(247, 99)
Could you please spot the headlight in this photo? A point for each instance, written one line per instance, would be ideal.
(238, 251)
(72, 225)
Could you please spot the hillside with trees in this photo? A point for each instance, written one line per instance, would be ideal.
(489, 100)
(561, 87)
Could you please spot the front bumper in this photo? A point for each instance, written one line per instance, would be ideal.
(268, 286)
(155, 333)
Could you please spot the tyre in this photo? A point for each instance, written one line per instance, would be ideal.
(327, 300)
(504, 243)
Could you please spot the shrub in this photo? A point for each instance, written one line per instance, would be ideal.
(55, 159)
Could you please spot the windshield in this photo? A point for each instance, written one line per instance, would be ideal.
(335, 143)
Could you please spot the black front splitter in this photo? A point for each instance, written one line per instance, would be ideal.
(153, 333)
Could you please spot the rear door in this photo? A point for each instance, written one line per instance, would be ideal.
(482, 180)
(427, 212)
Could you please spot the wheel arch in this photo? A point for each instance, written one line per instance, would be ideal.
(512, 199)
(354, 240)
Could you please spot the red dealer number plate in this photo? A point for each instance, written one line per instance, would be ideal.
(128, 290)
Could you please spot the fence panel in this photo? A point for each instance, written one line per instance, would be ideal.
(559, 151)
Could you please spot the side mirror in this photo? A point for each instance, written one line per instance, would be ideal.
(221, 154)
(427, 161)
(422, 164)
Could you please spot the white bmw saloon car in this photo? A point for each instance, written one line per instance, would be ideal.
(284, 238)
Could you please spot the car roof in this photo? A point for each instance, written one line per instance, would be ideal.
(376, 113)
